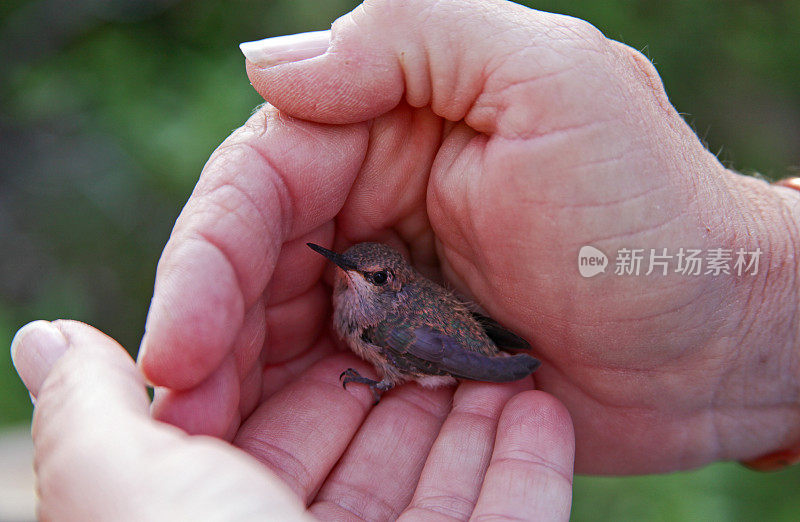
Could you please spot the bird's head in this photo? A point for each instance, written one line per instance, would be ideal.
(373, 271)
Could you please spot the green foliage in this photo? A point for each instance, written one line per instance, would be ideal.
(108, 112)
(14, 401)
(719, 492)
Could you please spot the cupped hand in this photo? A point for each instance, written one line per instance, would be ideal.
(491, 142)
(100, 456)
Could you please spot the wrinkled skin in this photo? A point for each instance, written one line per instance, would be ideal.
(493, 145)
(92, 429)
(490, 142)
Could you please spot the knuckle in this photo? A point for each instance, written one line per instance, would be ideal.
(588, 32)
(642, 65)
(258, 122)
(643, 73)
(580, 33)
(388, 14)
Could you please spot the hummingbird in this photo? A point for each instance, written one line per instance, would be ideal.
(411, 328)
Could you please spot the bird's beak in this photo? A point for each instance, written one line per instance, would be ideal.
(338, 259)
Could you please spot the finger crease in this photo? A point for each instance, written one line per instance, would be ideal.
(499, 516)
(356, 497)
(228, 259)
(281, 189)
(451, 505)
(291, 469)
(532, 460)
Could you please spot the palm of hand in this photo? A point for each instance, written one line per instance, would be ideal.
(502, 219)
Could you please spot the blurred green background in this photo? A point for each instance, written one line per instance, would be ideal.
(108, 110)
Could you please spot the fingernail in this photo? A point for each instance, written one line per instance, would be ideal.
(35, 349)
(289, 48)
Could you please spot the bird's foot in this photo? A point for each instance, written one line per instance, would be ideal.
(377, 387)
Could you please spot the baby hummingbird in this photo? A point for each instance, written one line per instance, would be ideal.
(410, 328)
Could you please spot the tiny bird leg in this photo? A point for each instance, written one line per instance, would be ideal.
(351, 375)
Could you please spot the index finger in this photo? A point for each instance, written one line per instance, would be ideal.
(272, 180)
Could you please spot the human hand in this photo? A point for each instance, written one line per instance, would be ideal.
(100, 456)
(493, 142)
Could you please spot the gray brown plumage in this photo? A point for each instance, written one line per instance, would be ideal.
(411, 328)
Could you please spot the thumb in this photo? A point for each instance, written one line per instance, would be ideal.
(99, 456)
(89, 399)
(464, 58)
(41, 346)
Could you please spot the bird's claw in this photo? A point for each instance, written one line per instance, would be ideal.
(351, 375)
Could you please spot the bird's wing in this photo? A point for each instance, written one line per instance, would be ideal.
(425, 348)
(504, 338)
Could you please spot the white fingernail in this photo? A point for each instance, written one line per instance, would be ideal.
(289, 48)
(35, 349)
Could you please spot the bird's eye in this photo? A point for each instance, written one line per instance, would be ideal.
(380, 277)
